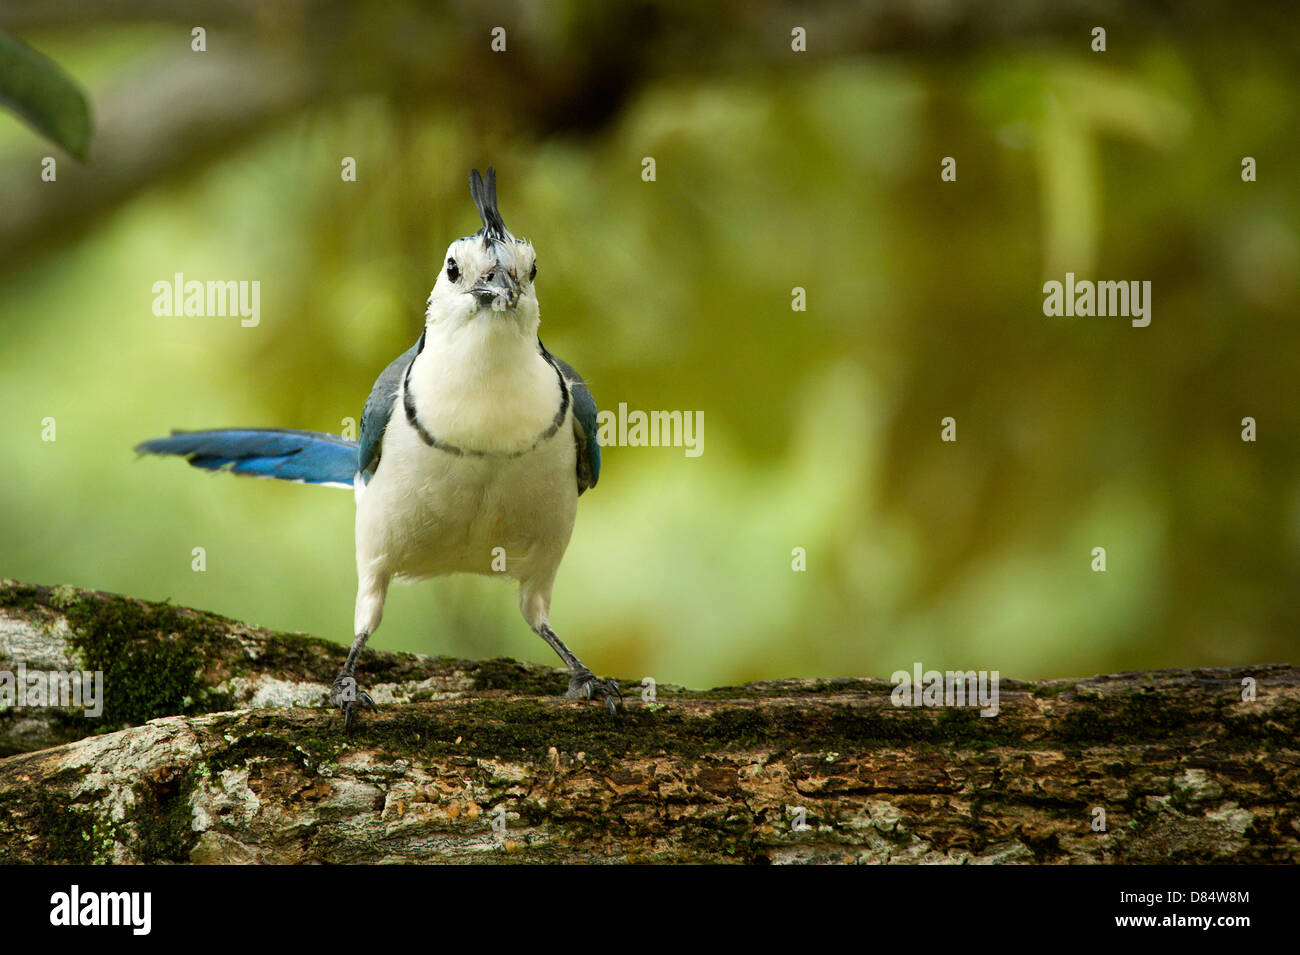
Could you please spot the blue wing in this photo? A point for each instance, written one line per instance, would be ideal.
(584, 424)
(308, 457)
(379, 408)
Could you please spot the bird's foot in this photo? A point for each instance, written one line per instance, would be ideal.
(585, 685)
(349, 697)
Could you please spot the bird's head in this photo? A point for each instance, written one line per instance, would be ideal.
(487, 276)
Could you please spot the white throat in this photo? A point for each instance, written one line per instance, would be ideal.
(483, 384)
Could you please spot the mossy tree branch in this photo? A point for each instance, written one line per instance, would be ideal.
(241, 760)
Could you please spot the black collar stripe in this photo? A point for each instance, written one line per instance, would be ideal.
(408, 404)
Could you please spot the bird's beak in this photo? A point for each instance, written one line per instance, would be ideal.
(497, 288)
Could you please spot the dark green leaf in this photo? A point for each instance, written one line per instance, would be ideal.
(37, 89)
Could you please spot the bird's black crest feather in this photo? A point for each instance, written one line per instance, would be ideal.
(484, 195)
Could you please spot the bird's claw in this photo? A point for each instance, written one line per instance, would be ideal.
(585, 685)
(349, 697)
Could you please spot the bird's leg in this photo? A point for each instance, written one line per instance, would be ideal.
(345, 693)
(583, 684)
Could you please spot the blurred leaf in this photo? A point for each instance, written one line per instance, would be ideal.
(37, 89)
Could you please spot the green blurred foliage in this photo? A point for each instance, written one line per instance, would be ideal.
(821, 428)
(36, 89)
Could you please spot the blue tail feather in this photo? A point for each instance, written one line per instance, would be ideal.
(309, 457)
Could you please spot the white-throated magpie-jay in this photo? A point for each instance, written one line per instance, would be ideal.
(475, 445)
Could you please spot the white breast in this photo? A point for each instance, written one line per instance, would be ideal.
(484, 385)
(429, 512)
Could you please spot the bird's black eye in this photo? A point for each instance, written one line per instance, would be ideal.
(533, 274)
(453, 270)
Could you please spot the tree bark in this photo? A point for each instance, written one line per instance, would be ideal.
(230, 753)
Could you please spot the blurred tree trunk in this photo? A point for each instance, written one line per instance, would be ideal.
(178, 111)
(478, 761)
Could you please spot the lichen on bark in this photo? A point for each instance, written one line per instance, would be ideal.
(481, 761)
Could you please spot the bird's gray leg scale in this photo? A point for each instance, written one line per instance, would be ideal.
(345, 693)
(583, 684)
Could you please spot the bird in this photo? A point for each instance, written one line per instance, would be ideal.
(474, 447)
